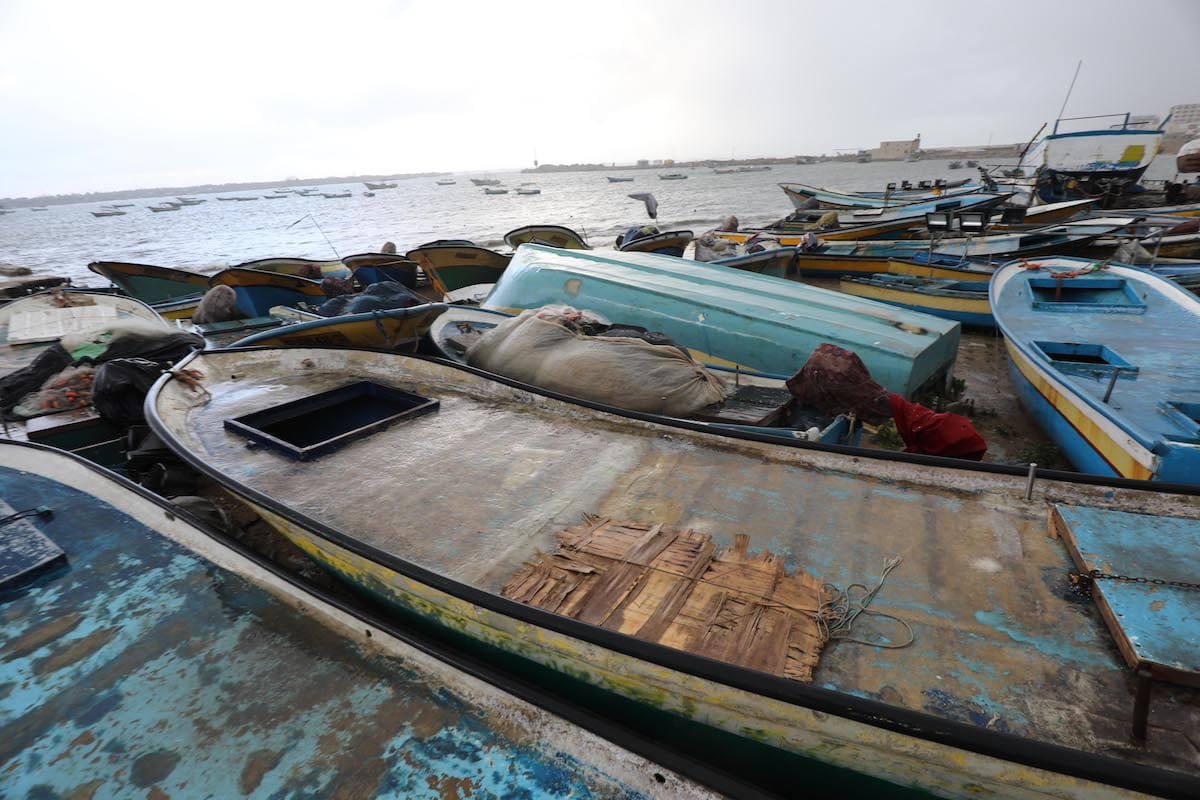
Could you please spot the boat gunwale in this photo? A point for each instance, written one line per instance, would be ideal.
(1048, 756)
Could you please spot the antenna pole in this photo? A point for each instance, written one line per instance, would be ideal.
(1070, 89)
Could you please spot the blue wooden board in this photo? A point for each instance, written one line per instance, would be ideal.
(1160, 625)
(24, 550)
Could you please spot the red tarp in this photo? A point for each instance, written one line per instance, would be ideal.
(935, 433)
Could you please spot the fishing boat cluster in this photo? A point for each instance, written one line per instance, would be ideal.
(721, 486)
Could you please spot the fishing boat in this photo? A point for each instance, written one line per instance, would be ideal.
(964, 301)
(803, 196)
(672, 176)
(189, 201)
(955, 165)
(165, 207)
(152, 284)
(730, 318)
(369, 268)
(619, 179)
(274, 196)
(445, 182)
(453, 267)
(1066, 237)
(1105, 161)
(109, 212)
(528, 190)
(1097, 358)
(303, 267)
(551, 235)
(258, 291)
(337, 195)
(665, 243)
(376, 186)
(390, 329)
(119, 606)
(494, 190)
(884, 223)
(673, 578)
(485, 181)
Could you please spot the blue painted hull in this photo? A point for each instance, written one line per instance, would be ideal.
(257, 301)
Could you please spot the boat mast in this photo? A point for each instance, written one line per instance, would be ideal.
(1070, 89)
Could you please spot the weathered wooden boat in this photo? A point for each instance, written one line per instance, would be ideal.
(304, 267)
(369, 268)
(133, 616)
(1086, 163)
(150, 283)
(964, 301)
(451, 267)
(803, 196)
(665, 243)
(1066, 237)
(731, 318)
(1101, 358)
(391, 329)
(258, 291)
(761, 407)
(674, 578)
(551, 235)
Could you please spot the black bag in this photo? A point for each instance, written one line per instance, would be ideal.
(120, 388)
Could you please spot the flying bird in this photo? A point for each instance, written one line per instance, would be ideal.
(648, 199)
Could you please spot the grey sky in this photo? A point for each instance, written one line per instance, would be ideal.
(111, 95)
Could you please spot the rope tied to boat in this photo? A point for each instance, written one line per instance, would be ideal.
(836, 615)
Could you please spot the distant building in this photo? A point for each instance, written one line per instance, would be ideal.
(1185, 119)
(897, 150)
(643, 162)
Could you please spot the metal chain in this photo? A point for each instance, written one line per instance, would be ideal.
(1083, 580)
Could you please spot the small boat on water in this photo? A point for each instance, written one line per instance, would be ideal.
(674, 578)
(528, 190)
(485, 181)
(337, 195)
(621, 179)
(494, 190)
(550, 235)
(672, 176)
(729, 318)
(1103, 360)
(128, 611)
(189, 201)
(955, 165)
(165, 207)
(445, 182)
(964, 301)
(665, 243)
(383, 185)
(274, 196)
(453, 267)
(109, 212)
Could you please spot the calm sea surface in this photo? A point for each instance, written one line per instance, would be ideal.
(206, 237)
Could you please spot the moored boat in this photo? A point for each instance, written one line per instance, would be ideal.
(619, 179)
(303, 267)
(730, 318)
(494, 190)
(109, 212)
(152, 284)
(665, 243)
(964, 301)
(804, 196)
(382, 185)
(550, 235)
(1101, 358)
(369, 268)
(452, 267)
(649, 631)
(258, 291)
(390, 329)
(1105, 161)
(165, 207)
(672, 176)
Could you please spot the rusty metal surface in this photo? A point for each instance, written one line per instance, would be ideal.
(142, 669)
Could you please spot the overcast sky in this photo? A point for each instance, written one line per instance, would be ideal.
(111, 95)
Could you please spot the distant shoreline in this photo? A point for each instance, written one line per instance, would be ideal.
(207, 188)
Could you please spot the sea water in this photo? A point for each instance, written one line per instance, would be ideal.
(65, 238)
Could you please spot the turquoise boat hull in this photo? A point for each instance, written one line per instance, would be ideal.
(1102, 359)
(730, 317)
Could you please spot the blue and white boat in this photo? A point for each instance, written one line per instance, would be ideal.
(965, 301)
(1100, 161)
(803, 195)
(1105, 359)
(731, 318)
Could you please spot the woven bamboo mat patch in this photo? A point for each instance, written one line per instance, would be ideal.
(675, 587)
